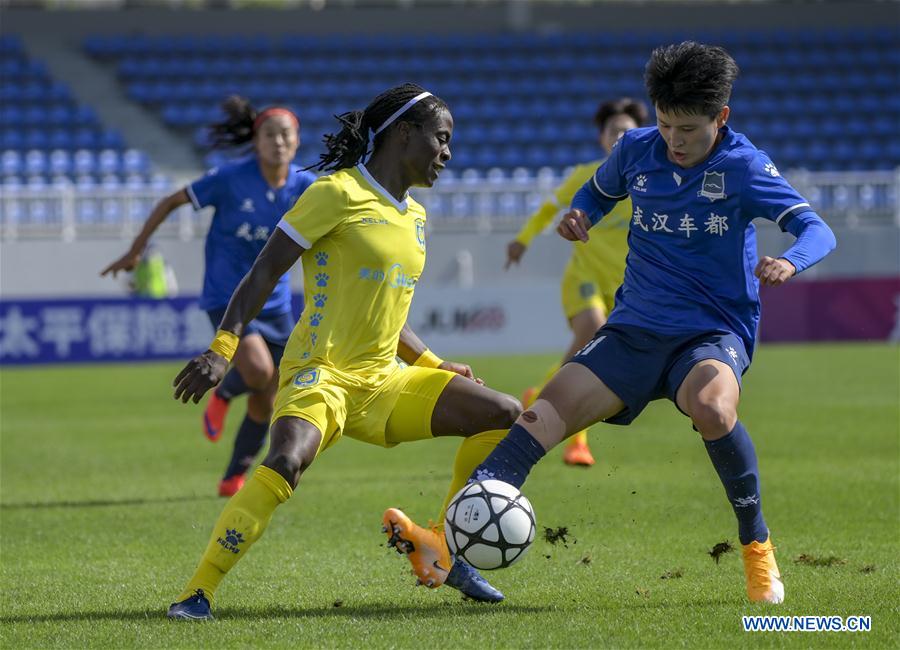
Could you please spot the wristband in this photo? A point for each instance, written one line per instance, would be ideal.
(428, 359)
(225, 344)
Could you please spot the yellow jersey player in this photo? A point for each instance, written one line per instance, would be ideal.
(596, 267)
(362, 238)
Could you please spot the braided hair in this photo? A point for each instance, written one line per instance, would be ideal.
(239, 125)
(347, 147)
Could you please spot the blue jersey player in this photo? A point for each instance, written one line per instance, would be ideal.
(249, 195)
(685, 319)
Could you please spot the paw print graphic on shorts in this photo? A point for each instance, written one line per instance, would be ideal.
(319, 300)
(321, 258)
(322, 279)
(315, 319)
(314, 338)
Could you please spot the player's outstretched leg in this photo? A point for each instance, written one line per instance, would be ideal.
(295, 443)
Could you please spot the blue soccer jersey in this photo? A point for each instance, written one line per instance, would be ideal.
(247, 209)
(692, 243)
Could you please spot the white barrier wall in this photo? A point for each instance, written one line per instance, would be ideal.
(490, 319)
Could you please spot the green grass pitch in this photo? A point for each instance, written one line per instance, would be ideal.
(106, 503)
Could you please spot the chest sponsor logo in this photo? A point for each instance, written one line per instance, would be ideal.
(640, 183)
(306, 378)
(373, 221)
(395, 277)
(247, 206)
(713, 187)
(248, 232)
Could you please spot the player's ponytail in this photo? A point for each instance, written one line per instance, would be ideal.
(237, 127)
(362, 130)
(347, 147)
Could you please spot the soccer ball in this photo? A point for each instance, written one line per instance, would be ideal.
(490, 524)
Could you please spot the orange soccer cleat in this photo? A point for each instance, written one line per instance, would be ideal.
(578, 453)
(214, 417)
(763, 577)
(230, 486)
(529, 395)
(426, 549)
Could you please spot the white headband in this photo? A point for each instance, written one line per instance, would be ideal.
(400, 111)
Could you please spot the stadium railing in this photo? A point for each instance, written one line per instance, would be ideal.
(470, 202)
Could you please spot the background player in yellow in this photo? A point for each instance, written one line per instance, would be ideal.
(596, 267)
(362, 238)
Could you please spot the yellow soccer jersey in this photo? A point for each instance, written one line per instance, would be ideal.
(605, 251)
(366, 251)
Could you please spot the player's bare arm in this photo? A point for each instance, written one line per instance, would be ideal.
(159, 214)
(410, 347)
(207, 369)
(774, 271)
(574, 226)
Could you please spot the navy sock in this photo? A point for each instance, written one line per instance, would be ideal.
(232, 385)
(511, 459)
(250, 438)
(735, 460)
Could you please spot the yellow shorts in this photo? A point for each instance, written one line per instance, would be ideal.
(394, 410)
(582, 290)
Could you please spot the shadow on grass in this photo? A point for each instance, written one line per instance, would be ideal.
(441, 610)
(102, 503)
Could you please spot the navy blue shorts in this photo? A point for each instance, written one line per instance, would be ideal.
(640, 365)
(274, 327)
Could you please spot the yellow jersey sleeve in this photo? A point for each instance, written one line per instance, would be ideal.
(316, 213)
(562, 198)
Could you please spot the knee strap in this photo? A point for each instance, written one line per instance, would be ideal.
(543, 421)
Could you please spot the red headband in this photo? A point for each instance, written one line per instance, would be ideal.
(269, 112)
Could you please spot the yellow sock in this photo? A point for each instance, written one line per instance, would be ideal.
(579, 438)
(470, 455)
(241, 523)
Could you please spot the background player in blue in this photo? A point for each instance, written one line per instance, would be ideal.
(250, 195)
(685, 319)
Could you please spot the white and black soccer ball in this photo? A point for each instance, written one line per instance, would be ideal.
(490, 524)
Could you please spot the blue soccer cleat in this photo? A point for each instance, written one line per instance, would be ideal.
(192, 608)
(467, 580)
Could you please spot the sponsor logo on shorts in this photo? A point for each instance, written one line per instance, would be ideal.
(306, 378)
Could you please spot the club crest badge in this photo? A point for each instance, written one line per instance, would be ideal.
(713, 187)
(306, 378)
(420, 233)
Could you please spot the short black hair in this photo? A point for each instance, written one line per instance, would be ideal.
(347, 147)
(690, 78)
(622, 106)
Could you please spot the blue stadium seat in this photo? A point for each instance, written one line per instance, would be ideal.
(11, 164)
(59, 162)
